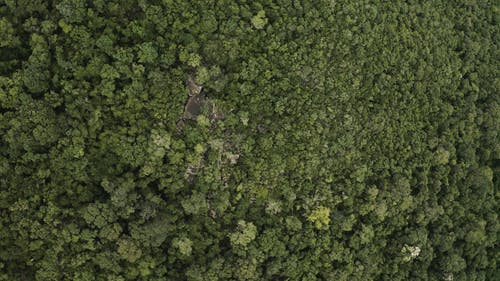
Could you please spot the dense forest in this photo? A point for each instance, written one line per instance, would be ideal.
(249, 140)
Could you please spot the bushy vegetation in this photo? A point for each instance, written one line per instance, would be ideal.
(249, 140)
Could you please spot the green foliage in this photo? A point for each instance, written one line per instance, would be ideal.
(128, 250)
(147, 53)
(8, 34)
(184, 245)
(320, 217)
(195, 204)
(330, 140)
(259, 20)
(244, 234)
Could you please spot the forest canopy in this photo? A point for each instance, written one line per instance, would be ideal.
(249, 140)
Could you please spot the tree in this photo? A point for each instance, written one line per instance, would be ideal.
(320, 217)
(244, 234)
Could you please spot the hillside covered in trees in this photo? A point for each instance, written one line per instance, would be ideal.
(284, 140)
